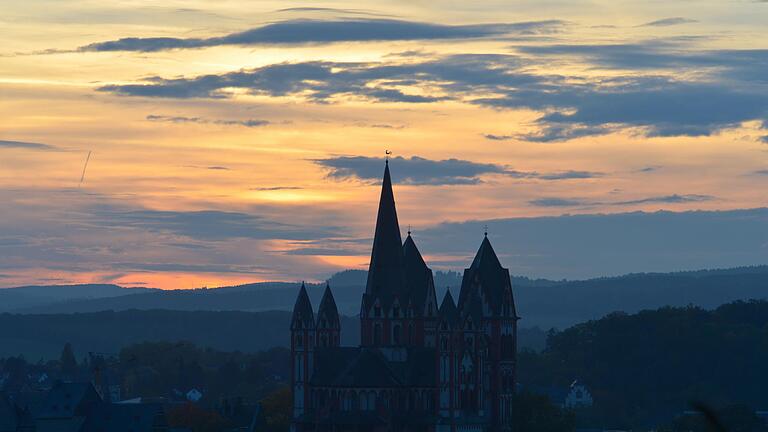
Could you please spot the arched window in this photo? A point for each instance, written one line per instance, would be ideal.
(411, 336)
(396, 334)
(299, 341)
(377, 334)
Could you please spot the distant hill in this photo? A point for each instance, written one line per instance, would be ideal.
(43, 336)
(39, 295)
(541, 303)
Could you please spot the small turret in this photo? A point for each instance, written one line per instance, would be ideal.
(328, 324)
(302, 350)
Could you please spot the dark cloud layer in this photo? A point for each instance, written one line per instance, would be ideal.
(316, 31)
(666, 22)
(211, 225)
(420, 171)
(655, 105)
(26, 145)
(200, 120)
(578, 202)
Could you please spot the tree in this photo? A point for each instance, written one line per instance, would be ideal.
(196, 419)
(277, 408)
(535, 413)
(732, 418)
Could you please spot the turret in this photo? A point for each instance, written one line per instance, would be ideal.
(486, 301)
(446, 358)
(328, 325)
(302, 350)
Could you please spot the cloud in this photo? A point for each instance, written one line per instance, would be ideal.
(413, 171)
(210, 225)
(211, 167)
(322, 81)
(275, 188)
(420, 171)
(554, 131)
(763, 172)
(200, 120)
(572, 107)
(672, 199)
(666, 22)
(493, 137)
(26, 145)
(569, 175)
(649, 169)
(559, 202)
(578, 202)
(322, 31)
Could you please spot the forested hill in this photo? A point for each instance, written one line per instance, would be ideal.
(541, 303)
(42, 336)
(647, 367)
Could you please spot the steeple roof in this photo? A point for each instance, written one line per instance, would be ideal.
(328, 314)
(417, 275)
(303, 317)
(485, 280)
(448, 309)
(486, 256)
(386, 276)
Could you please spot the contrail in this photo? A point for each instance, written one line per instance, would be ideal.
(84, 167)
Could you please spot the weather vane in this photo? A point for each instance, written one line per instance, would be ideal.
(387, 153)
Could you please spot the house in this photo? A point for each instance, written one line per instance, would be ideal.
(578, 396)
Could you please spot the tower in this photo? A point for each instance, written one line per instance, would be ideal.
(328, 326)
(302, 351)
(486, 298)
(449, 317)
(381, 307)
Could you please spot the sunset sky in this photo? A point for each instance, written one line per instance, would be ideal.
(237, 141)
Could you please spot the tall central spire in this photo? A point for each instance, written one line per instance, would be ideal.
(385, 274)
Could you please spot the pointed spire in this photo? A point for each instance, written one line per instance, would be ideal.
(484, 282)
(328, 314)
(486, 256)
(303, 317)
(385, 274)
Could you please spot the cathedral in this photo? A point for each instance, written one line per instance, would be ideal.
(419, 366)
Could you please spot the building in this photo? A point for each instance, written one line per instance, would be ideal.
(578, 396)
(420, 366)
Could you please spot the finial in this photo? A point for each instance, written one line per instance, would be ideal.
(409, 229)
(386, 156)
(485, 230)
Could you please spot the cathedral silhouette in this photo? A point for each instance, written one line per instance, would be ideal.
(419, 367)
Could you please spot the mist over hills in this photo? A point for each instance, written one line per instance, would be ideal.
(541, 303)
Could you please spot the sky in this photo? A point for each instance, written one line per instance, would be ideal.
(238, 141)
